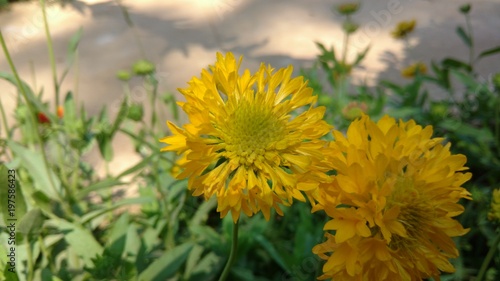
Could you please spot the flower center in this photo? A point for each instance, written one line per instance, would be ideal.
(250, 130)
(414, 213)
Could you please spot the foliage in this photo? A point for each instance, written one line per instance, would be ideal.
(73, 224)
(468, 117)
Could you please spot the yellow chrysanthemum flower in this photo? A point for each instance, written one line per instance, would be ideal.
(494, 213)
(411, 70)
(403, 29)
(243, 143)
(392, 203)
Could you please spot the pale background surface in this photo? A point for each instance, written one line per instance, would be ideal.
(181, 37)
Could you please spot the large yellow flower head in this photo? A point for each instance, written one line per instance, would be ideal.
(244, 143)
(392, 203)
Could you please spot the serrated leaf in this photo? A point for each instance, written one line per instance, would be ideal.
(168, 264)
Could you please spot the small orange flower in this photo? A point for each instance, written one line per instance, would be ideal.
(60, 111)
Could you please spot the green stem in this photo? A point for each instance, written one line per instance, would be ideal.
(51, 52)
(32, 114)
(44, 250)
(232, 254)
(471, 49)
(497, 122)
(29, 258)
(487, 259)
(4, 121)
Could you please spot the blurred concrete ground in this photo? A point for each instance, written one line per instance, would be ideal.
(181, 37)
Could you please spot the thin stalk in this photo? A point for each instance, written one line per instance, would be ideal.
(471, 49)
(154, 95)
(487, 259)
(51, 52)
(497, 120)
(33, 75)
(4, 121)
(77, 76)
(232, 254)
(30, 259)
(31, 110)
(44, 250)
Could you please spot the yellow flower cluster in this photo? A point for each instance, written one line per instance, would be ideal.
(254, 142)
(494, 213)
(392, 203)
(403, 29)
(244, 144)
(413, 69)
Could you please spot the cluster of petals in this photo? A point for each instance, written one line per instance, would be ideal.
(253, 140)
(392, 202)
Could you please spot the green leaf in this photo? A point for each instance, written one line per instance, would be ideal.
(207, 268)
(31, 223)
(71, 53)
(489, 52)
(202, 211)
(106, 183)
(464, 36)
(42, 201)
(4, 194)
(144, 162)
(192, 260)
(44, 178)
(16, 198)
(29, 93)
(361, 55)
(105, 147)
(118, 236)
(122, 115)
(453, 63)
(80, 240)
(133, 244)
(69, 109)
(94, 214)
(168, 264)
(269, 248)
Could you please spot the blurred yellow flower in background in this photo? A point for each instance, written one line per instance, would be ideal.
(392, 203)
(494, 213)
(403, 29)
(252, 140)
(413, 69)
